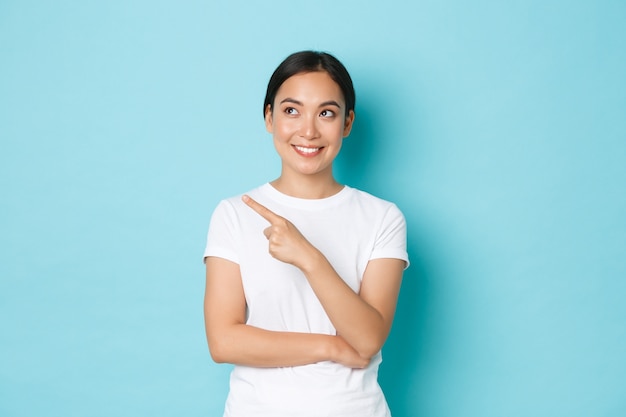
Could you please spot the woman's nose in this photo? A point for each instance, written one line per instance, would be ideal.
(308, 129)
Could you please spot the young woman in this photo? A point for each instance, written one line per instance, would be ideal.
(303, 273)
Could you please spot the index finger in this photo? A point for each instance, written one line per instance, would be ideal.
(263, 211)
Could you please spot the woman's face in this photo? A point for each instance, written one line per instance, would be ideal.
(308, 123)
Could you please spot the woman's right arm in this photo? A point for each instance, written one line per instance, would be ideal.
(231, 340)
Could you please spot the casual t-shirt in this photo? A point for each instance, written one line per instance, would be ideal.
(349, 228)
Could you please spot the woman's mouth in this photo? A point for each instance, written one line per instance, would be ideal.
(307, 151)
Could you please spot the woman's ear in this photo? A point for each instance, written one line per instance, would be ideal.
(269, 123)
(348, 123)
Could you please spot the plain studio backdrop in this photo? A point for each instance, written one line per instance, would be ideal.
(499, 128)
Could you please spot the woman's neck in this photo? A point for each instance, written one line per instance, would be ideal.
(307, 187)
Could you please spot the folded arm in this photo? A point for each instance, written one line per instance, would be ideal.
(364, 319)
(232, 341)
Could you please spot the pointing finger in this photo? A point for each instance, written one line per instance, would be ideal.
(263, 211)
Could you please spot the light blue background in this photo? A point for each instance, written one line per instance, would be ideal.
(499, 128)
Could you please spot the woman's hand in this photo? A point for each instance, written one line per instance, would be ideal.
(286, 243)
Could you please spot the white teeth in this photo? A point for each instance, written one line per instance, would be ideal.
(307, 150)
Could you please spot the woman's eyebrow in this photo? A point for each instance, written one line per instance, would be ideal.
(330, 103)
(291, 100)
(299, 103)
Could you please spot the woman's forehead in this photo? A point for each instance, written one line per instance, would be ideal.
(314, 86)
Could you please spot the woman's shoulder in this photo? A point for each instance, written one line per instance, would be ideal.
(364, 197)
(374, 207)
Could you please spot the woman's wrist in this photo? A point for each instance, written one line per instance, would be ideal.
(329, 348)
(313, 261)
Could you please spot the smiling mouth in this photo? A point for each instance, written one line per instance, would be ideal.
(302, 150)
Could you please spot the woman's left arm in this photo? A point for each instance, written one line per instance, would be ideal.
(364, 319)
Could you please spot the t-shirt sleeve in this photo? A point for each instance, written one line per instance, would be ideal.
(223, 235)
(391, 237)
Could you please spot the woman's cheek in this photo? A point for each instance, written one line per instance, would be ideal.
(288, 127)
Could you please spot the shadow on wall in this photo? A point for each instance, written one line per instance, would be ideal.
(354, 165)
(404, 354)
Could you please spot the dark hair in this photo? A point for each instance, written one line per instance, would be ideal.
(311, 61)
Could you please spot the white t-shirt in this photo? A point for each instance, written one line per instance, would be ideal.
(349, 228)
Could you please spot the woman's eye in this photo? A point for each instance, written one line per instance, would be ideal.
(291, 110)
(327, 113)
